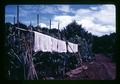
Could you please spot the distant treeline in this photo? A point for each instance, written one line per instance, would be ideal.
(105, 44)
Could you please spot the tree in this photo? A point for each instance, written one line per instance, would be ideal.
(21, 25)
(105, 44)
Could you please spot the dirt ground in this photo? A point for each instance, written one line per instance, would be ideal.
(101, 69)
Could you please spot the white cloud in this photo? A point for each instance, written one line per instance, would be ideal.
(64, 20)
(94, 8)
(65, 8)
(98, 22)
(48, 9)
(106, 15)
(33, 9)
(54, 24)
(43, 25)
(83, 12)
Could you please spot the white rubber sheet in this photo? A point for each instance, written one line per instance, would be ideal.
(47, 43)
(72, 47)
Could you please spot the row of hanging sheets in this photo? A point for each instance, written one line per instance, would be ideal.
(47, 43)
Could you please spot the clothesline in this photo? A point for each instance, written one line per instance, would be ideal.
(23, 29)
(47, 43)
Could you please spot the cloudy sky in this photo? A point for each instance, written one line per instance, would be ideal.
(97, 19)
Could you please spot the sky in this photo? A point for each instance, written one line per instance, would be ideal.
(98, 19)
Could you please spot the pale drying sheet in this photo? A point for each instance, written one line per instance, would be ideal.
(54, 44)
(37, 42)
(47, 43)
(72, 47)
(42, 42)
(61, 46)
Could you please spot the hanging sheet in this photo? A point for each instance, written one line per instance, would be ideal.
(61, 46)
(72, 47)
(42, 42)
(54, 44)
(47, 43)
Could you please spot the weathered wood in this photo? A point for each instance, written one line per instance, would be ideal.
(18, 15)
(31, 69)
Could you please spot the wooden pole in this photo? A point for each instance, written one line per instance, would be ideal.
(31, 73)
(50, 24)
(17, 15)
(59, 36)
(38, 20)
(58, 25)
(14, 20)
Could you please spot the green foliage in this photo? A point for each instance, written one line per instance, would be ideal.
(105, 44)
(53, 64)
(21, 25)
(76, 34)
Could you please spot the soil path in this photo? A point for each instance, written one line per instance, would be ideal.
(101, 69)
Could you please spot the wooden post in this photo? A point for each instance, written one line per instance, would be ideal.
(18, 19)
(79, 55)
(50, 23)
(17, 15)
(38, 20)
(14, 20)
(58, 25)
(67, 46)
(31, 73)
(59, 36)
(49, 27)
